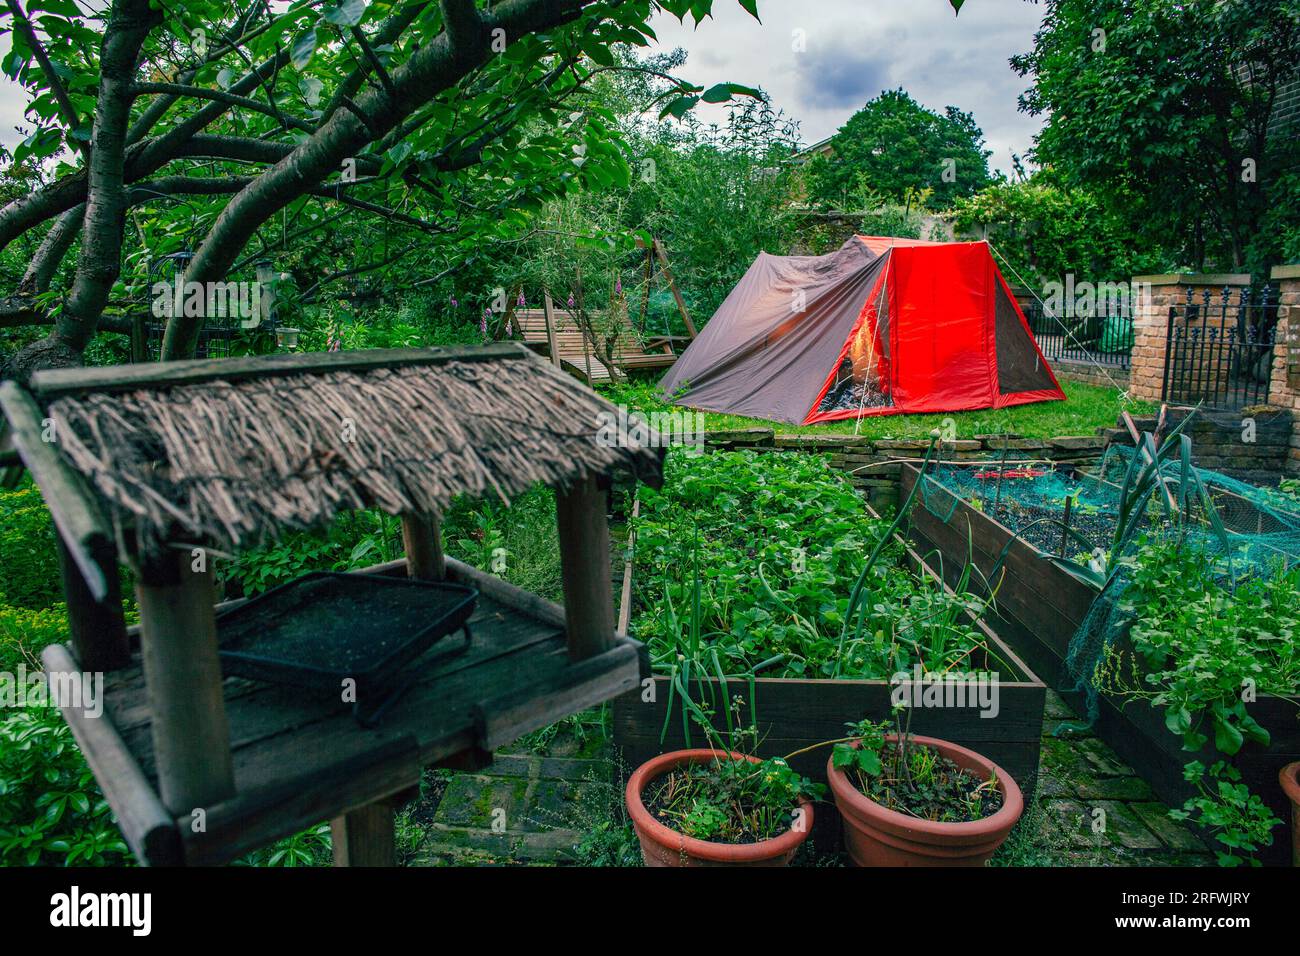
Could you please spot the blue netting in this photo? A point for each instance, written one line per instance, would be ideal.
(1260, 529)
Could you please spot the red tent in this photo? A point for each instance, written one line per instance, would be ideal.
(879, 327)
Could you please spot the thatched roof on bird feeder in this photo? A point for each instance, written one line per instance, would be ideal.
(230, 453)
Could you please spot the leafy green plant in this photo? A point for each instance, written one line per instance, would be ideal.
(309, 847)
(29, 563)
(51, 810)
(730, 799)
(910, 778)
(1200, 645)
(1239, 819)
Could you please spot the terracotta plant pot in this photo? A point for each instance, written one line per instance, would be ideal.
(662, 846)
(877, 836)
(1289, 776)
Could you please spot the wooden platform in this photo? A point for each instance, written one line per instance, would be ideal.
(573, 352)
(301, 758)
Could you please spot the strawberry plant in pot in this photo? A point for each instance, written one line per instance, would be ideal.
(908, 800)
(720, 806)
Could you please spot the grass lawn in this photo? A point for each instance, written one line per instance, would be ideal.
(1086, 408)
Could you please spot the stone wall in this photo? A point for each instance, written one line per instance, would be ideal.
(1252, 444)
(1284, 388)
(1220, 440)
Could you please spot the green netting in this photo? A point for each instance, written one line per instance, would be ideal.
(1260, 529)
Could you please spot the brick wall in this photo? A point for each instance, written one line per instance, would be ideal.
(1284, 387)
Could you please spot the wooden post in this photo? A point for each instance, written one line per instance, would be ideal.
(178, 641)
(625, 595)
(139, 339)
(97, 628)
(645, 293)
(422, 542)
(584, 568)
(548, 312)
(677, 296)
(265, 291)
(366, 836)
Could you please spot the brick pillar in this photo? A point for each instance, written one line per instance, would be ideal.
(1284, 387)
(1151, 323)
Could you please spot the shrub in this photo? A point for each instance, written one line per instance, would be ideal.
(24, 633)
(51, 811)
(29, 562)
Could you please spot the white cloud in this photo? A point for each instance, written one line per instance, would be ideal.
(856, 49)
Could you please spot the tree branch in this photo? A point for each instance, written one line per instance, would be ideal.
(129, 24)
(428, 71)
(222, 96)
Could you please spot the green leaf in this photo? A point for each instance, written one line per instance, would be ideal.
(718, 93)
(751, 7)
(1227, 738)
(64, 8)
(1178, 720)
(347, 14)
(956, 5)
(679, 107)
(869, 762)
(304, 46)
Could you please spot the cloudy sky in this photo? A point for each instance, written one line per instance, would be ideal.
(853, 49)
(857, 48)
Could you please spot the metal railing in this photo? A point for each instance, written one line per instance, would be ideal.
(1095, 339)
(1219, 347)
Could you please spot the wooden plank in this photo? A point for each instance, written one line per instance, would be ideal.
(259, 816)
(73, 506)
(97, 626)
(585, 684)
(147, 827)
(55, 383)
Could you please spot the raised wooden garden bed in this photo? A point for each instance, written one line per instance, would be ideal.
(793, 713)
(1039, 609)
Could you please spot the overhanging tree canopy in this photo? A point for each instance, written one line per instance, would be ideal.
(430, 114)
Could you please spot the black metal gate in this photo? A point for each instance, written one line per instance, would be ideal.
(1219, 348)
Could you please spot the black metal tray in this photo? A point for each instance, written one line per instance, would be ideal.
(325, 627)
